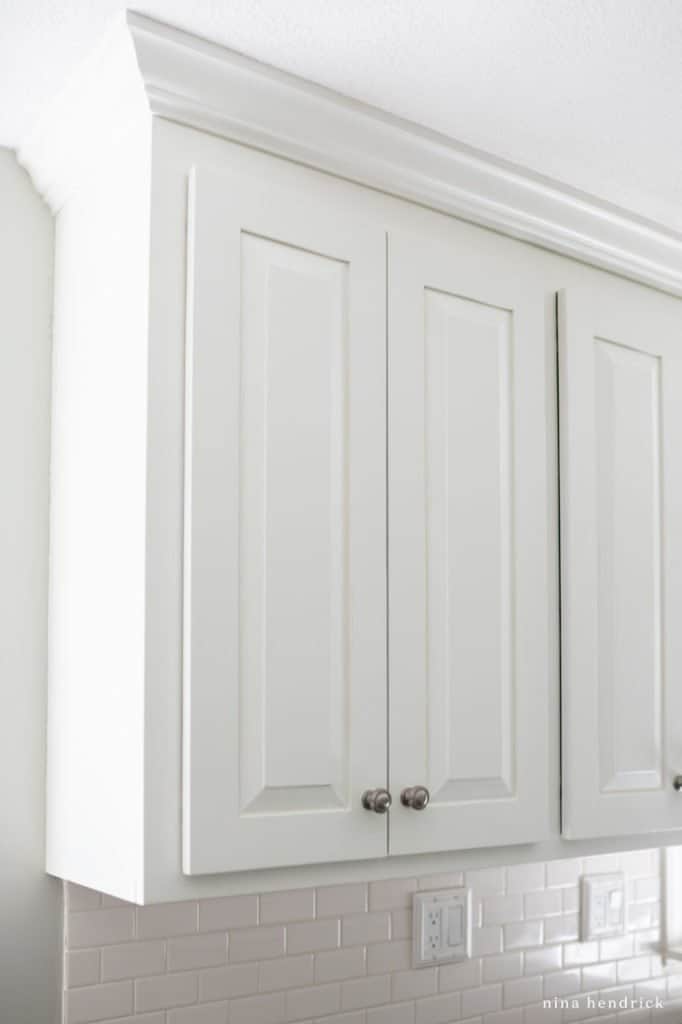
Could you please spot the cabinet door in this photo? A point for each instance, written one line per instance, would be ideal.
(620, 358)
(470, 540)
(285, 562)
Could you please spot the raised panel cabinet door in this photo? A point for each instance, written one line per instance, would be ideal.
(285, 526)
(620, 382)
(470, 541)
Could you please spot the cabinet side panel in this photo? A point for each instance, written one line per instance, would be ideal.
(97, 543)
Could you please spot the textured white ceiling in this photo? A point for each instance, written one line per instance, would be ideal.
(585, 91)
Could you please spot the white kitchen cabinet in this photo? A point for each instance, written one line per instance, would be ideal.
(304, 492)
(285, 527)
(470, 401)
(620, 377)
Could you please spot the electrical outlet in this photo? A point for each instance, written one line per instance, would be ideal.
(441, 930)
(602, 906)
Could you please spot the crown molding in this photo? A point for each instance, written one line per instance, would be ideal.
(205, 86)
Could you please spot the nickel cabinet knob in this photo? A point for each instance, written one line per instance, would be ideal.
(415, 797)
(377, 800)
(677, 782)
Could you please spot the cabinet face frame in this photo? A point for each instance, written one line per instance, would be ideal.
(285, 485)
(620, 381)
(469, 486)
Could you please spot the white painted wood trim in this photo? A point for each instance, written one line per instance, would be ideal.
(206, 86)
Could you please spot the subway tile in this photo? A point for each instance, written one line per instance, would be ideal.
(265, 1009)
(647, 889)
(393, 893)
(384, 957)
(280, 907)
(212, 1013)
(191, 951)
(540, 1014)
(360, 929)
(543, 903)
(485, 999)
(453, 977)
(337, 900)
(81, 967)
(487, 881)
(165, 920)
(499, 968)
(165, 991)
(80, 898)
(570, 899)
(523, 935)
(344, 1018)
(227, 913)
(640, 863)
(538, 961)
(132, 960)
(525, 877)
(100, 927)
(340, 964)
(414, 984)
(636, 969)
(228, 982)
(561, 929)
(563, 872)
(140, 1018)
(256, 944)
(502, 909)
(449, 880)
(601, 863)
(514, 1016)
(561, 983)
(577, 953)
(396, 1013)
(313, 935)
(364, 992)
(320, 1000)
(440, 1009)
(98, 1002)
(522, 991)
(486, 941)
(288, 972)
(616, 949)
(401, 924)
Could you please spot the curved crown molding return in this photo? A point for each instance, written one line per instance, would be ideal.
(144, 67)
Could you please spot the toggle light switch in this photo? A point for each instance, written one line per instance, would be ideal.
(441, 929)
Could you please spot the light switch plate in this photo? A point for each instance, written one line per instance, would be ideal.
(441, 926)
(602, 906)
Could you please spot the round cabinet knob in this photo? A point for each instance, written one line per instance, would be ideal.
(415, 797)
(377, 800)
(677, 782)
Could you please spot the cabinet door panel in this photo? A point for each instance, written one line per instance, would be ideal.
(621, 428)
(469, 599)
(285, 675)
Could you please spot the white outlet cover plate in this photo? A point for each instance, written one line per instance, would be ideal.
(441, 926)
(602, 906)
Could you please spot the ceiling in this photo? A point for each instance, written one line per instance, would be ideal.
(586, 91)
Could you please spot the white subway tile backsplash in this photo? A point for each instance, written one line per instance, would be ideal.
(256, 944)
(342, 954)
(364, 992)
(165, 991)
(228, 982)
(229, 912)
(340, 964)
(278, 907)
(132, 960)
(165, 919)
(98, 1002)
(313, 935)
(289, 972)
(439, 1009)
(191, 951)
(100, 927)
(360, 929)
(337, 900)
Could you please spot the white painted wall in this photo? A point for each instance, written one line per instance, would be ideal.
(30, 902)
